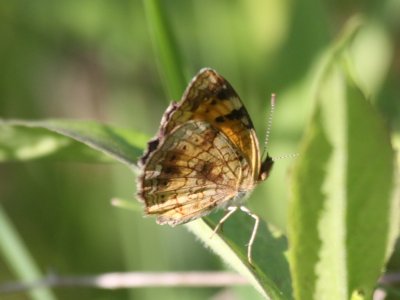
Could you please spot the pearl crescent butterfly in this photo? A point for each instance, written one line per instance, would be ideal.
(205, 156)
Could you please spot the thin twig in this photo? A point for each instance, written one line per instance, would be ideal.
(131, 280)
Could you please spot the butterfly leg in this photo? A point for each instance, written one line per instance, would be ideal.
(229, 211)
(253, 233)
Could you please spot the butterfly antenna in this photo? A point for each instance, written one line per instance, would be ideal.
(269, 123)
(294, 155)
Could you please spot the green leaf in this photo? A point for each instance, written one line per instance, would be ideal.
(342, 226)
(270, 274)
(57, 139)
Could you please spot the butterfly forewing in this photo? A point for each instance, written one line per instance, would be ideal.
(210, 98)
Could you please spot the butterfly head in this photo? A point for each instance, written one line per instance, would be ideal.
(265, 168)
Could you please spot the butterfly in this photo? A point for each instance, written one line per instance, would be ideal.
(205, 156)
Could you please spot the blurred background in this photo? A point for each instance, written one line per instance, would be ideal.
(94, 60)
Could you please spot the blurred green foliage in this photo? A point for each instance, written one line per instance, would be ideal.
(94, 60)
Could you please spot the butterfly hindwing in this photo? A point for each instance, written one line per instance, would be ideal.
(194, 170)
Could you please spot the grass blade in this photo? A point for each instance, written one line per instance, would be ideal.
(19, 259)
(167, 54)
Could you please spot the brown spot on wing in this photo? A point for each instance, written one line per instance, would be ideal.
(225, 92)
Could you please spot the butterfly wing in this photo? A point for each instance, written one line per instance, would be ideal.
(210, 98)
(193, 170)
